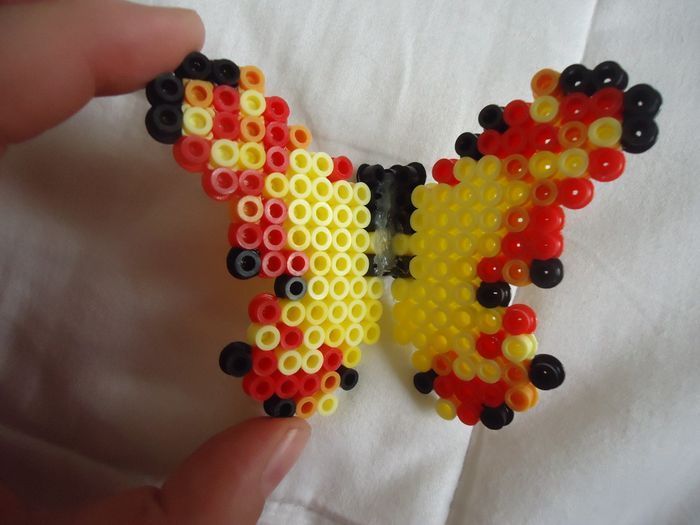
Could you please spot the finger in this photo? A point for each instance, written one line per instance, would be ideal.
(225, 481)
(57, 55)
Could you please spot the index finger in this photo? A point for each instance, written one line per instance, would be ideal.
(57, 55)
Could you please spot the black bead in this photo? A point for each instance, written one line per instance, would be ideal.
(576, 78)
(641, 100)
(420, 175)
(348, 377)
(236, 359)
(290, 287)
(278, 407)
(609, 74)
(491, 117)
(638, 134)
(423, 381)
(466, 146)
(371, 175)
(546, 372)
(164, 123)
(546, 273)
(224, 72)
(491, 295)
(243, 264)
(195, 66)
(498, 417)
(165, 89)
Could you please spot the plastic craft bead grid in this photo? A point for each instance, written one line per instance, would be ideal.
(492, 220)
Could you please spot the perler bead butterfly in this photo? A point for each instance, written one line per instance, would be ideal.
(492, 220)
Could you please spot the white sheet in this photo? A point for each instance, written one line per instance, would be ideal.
(115, 300)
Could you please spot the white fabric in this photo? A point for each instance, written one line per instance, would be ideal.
(115, 300)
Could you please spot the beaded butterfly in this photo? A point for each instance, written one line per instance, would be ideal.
(455, 247)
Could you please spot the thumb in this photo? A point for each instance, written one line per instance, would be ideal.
(225, 481)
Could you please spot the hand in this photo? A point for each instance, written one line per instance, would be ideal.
(55, 56)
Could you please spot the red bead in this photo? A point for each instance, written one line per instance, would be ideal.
(444, 386)
(332, 357)
(519, 319)
(489, 142)
(546, 245)
(575, 193)
(276, 159)
(275, 211)
(489, 345)
(544, 137)
(514, 140)
(246, 235)
(260, 387)
(515, 245)
(220, 184)
(264, 308)
(226, 98)
(517, 113)
(308, 384)
(290, 336)
(250, 182)
(226, 126)
(606, 164)
(443, 171)
(466, 392)
(546, 219)
(490, 269)
(607, 103)
(469, 413)
(276, 134)
(297, 263)
(264, 363)
(494, 394)
(273, 237)
(575, 106)
(276, 110)
(192, 152)
(272, 264)
(286, 387)
(342, 169)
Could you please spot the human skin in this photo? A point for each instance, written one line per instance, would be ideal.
(72, 51)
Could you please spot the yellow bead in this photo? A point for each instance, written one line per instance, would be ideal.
(357, 287)
(544, 109)
(400, 289)
(488, 167)
(341, 264)
(342, 192)
(311, 361)
(464, 168)
(543, 164)
(464, 368)
(326, 404)
(351, 357)
(359, 264)
(299, 161)
(252, 156)
(372, 333)
(299, 211)
(300, 186)
(321, 213)
(224, 153)
(197, 121)
(252, 103)
(517, 348)
(375, 288)
(573, 162)
(321, 164)
(445, 409)
(360, 241)
(317, 288)
(605, 132)
(489, 371)
(293, 312)
(265, 337)
(339, 288)
(288, 361)
(321, 190)
(354, 334)
(342, 216)
(361, 217)
(361, 194)
(298, 238)
(421, 360)
(276, 186)
(319, 263)
(314, 336)
(335, 335)
(341, 241)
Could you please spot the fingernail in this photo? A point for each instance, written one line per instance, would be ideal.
(283, 458)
